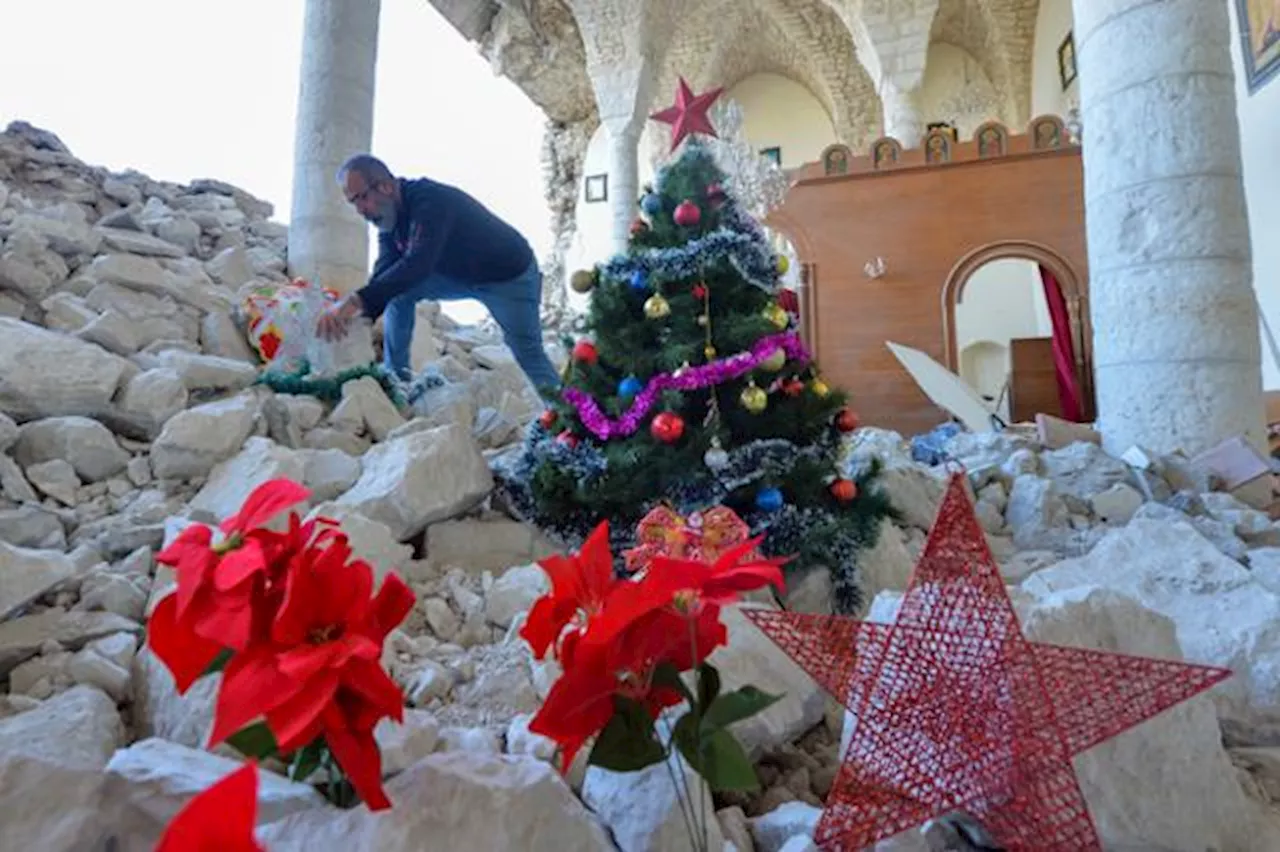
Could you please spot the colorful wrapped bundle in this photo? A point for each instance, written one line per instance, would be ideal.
(281, 321)
(702, 536)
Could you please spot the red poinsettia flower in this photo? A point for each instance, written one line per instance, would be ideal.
(580, 702)
(243, 551)
(683, 584)
(212, 599)
(220, 819)
(579, 585)
(324, 653)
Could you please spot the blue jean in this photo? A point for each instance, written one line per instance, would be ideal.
(514, 304)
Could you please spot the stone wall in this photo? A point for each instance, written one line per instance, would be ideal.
(564, 149)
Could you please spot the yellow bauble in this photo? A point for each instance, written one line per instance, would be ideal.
(753, 399)
(783, 264)
(709, 351)
(777, 316)
(656, 307)
(582, 281)
(819, 387)
(774, 362)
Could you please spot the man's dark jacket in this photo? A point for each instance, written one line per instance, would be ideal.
(441, 229)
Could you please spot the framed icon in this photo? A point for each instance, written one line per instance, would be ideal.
(1067, 60)
(774, 154)
(597, 188)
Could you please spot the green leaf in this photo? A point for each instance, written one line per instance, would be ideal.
(736, 706)
(666, 674)
(708, 686)
(254, 741)
(627, 743)
(726, 766)
(307, 759)
(219, 662)
(716, 756)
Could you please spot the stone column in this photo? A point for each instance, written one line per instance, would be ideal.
(1176, 347)
(902, 118)
(624, 174)
(328, 241)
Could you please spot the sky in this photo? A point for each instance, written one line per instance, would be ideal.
(180, 89)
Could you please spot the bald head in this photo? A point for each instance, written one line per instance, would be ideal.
(371, 188)
(367, 166)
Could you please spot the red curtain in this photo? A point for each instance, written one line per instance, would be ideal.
(1064, 355)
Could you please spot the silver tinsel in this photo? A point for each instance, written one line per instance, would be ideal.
(758, 183)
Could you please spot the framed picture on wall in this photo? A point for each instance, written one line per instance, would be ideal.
(774, 154)
(597, 188)
(1259, 40)
(1067, 60)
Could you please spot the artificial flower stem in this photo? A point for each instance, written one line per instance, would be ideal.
(697, 743)
(674, 754)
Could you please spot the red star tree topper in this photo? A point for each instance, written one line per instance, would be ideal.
(956, 710)
(688, 114)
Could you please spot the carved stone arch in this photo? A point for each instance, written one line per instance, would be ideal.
(1069, 280)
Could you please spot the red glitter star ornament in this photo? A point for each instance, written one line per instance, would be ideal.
(688, 114)
(956, 710)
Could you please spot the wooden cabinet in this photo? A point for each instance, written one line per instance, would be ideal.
(934, 223)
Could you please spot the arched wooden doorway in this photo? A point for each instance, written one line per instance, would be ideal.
(1069, 283)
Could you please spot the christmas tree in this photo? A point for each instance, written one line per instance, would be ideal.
(689, 386)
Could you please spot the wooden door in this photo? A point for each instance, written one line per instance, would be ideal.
(1033, 381)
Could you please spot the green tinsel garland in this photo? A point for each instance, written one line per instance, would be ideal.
(328, 389)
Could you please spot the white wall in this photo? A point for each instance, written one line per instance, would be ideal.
(1003, 300)
(779, 112)
(956, 89)
(1053, 22)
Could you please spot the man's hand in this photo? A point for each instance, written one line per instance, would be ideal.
(336, 319)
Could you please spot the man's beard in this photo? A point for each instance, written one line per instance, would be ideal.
(384, 218)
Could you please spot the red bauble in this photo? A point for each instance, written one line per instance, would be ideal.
(638, 227)
(789, 301)
(844, 490)
(585, 351)
(699, 291)
(793, 387)
(846, 420)
(667, 427)
(548, 419)
(687, 214)
(567, 438)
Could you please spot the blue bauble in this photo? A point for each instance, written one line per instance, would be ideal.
(651, 204)
(629, 387)
(639, 280)
(769, 500)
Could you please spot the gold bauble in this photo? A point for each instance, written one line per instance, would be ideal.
(709, 351)
(819, 387)
(783, 264)
(656, 307)
(582, 281)
(774, 362)
(777, 316)
(753, 399)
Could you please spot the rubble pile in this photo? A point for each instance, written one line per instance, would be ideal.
(129, 408)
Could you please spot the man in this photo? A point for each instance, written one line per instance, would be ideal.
(436, 242)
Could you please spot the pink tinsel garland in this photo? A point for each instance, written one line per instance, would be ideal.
(690, 378)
